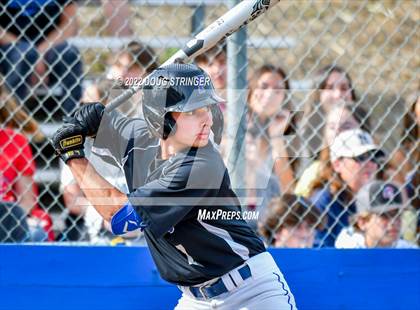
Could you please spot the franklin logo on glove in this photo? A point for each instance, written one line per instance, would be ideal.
(68, 141)
(71, 141)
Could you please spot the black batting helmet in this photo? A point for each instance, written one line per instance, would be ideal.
(178, 88)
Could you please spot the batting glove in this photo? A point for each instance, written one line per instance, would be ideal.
(88, 116)
(68, 141)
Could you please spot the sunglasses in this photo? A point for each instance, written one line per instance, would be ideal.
(364, 157)
(390, 215)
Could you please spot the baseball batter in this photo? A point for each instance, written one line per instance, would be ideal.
(217, 263)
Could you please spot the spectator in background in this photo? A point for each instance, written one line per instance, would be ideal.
(34, 49)
(14, 115)
(405, 159)
(17, 194)
(13, 225)
(17, 169)
(214, 62)
(377, 222)
(333, 85)
(117, 16)
(405, 165)
(271, 120)
(132, 61)
(343, 116)
(129, 66)
(353, 163)
(291, 222)
(17, 164)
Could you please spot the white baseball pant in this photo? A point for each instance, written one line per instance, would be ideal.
(265, 289)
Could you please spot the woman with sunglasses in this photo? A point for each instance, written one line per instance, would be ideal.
(343, 116)
(353, 163)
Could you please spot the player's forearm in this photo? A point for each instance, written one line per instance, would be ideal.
(105, 198)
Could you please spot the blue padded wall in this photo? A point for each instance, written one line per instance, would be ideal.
(77, 277)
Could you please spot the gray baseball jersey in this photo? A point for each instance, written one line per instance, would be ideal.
(171, 195)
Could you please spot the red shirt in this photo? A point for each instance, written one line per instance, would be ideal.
(16, 160)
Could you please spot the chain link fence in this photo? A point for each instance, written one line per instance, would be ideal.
(332, 104)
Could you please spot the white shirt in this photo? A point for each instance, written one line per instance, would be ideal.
(348, 238)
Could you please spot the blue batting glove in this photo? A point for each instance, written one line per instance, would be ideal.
(126, 219)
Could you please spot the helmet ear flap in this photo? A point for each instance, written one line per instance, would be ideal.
(218, 123)
(169, 126)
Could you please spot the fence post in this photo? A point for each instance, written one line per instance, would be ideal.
(236, 103)
(197, 19)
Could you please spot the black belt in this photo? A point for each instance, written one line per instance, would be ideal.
(218, 287)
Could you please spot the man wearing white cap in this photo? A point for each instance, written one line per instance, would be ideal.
(355, 156)
(377, 222)
(354, 162)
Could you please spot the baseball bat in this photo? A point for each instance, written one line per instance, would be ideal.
(237, 17)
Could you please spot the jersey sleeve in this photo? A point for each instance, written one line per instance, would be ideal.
(167, 200)
(118, 134)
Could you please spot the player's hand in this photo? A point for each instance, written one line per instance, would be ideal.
(68, 141)
(89, 116)
(279, 124)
